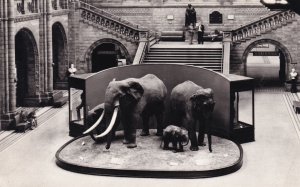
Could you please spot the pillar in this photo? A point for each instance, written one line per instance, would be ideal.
(8, 60)
(49, 61)
(11, 57)
(226, 52)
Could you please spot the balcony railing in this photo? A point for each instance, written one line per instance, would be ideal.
(112, 23)
(263, 25)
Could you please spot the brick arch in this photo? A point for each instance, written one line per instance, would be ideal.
(60, 52)
(285, 51)
(88, 54)
(25, 41)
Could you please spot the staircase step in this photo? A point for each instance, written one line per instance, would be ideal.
(187, 49)
(185, 55)
(184, 60)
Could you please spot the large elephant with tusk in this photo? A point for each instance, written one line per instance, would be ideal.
(191, 104)
(135, 100)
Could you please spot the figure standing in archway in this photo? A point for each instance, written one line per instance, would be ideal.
(293, 75)
(190, 16)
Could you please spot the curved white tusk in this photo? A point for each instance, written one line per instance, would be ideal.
(95, 124)
(111, 124)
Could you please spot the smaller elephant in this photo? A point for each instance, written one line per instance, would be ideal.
(192, 106)
(177, 136)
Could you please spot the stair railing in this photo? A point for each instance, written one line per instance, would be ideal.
(263, 25)
(113, 23)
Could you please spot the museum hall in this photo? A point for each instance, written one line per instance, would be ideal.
(149, 93)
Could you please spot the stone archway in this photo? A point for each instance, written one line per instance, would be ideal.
(26, 53)
(60, 58)
(107, 48)
(283, 55)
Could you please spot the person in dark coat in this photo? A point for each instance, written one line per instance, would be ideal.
(200, 33)
(190, 16)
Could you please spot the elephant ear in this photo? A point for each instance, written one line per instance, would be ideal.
(135, 90)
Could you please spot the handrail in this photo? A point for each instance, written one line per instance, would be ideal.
(222, 60)
(112, 23)
(141, 53)
(257, 21)
(109, 16)
(262, 25)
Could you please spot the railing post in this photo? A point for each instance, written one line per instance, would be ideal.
(143, 36)
(227, 39)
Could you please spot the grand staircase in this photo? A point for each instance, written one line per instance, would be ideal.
(207, 57)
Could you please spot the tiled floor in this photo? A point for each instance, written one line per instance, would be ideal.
(271, 161)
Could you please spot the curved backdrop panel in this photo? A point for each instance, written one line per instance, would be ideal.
(171, 75)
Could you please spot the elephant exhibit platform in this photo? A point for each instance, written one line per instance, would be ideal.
(148, 159)
(83, 155)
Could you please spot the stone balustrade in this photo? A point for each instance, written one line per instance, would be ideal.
(112, 23)
(263, 25)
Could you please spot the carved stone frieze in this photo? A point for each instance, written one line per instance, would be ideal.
(27, 17)
(60, 12)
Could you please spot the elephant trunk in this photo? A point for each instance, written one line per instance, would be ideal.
(187, 142)
(208, 132)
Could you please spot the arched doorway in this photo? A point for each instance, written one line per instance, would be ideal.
(104, 56)
(267, 62)
(106, 53)
(26, 59)
(59, 49)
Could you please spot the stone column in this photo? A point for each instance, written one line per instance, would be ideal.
(73, 32)
(11, 58)
(226, 52)
(8, 60)
(5, 57)
(37, 6)
(49, 61)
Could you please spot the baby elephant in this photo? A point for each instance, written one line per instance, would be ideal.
(177, 136)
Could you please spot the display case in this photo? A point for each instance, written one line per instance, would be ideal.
(242, 110)
(77, 104)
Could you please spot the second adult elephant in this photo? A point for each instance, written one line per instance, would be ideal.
(136, 100)
(192, 104)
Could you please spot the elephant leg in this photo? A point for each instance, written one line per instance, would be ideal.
(132, 131)
(160, 119)
(180, 149)
(166, 143)
(145, 130)
(191, 126)
(125, 123)
(174, 144)
(201, 133)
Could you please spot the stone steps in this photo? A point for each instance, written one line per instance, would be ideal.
(9, 137)
(210, 58)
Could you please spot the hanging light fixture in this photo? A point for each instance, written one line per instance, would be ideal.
(282, 5)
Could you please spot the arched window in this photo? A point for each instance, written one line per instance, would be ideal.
(215, 18)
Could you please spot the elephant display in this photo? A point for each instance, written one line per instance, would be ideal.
(135, 100)
(192, 104)
(176, 135)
